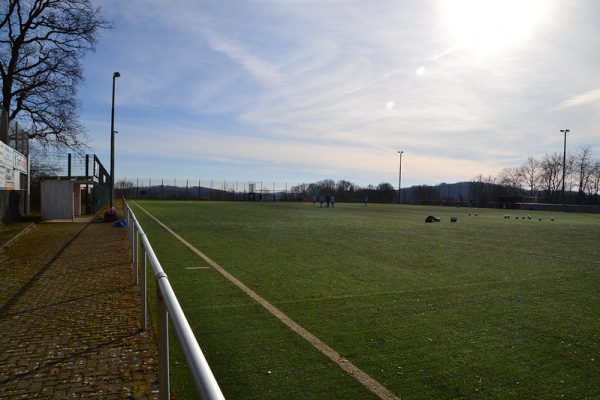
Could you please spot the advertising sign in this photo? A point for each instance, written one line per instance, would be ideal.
(20, 162)
(9, 179)
(8, 156)
(12, 163)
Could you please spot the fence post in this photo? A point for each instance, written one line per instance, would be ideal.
(130, 233)
(129, 227)
(144, 305)
(135, 250)
(163, 344)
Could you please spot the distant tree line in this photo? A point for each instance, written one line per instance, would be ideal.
(346, 191)
(537, 180)
(542, 178)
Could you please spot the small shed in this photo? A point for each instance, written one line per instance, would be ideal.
(61, 199)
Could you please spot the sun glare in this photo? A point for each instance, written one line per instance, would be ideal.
(490, 26)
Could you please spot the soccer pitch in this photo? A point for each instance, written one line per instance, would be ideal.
(487, 307)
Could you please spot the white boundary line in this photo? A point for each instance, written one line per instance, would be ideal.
(333, 355)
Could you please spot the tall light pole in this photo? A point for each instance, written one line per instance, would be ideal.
(112, 142)
(400, 176)
(564, 164)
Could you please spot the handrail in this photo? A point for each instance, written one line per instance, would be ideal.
(205, 384)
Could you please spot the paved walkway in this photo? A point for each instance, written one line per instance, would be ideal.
(70, 316)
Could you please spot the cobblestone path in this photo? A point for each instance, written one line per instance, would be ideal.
(70, 316)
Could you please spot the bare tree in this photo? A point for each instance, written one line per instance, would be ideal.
(530, 173)
(124, 188)
(551, 175)
(584, 169)
(123, 184)
(386, 192)
(326, 186)
(483, 190)
(510, 178)
(43, 165)
(343, 189)
(426, 193)
(595, 182)
(42, 43)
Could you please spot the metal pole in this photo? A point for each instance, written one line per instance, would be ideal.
(564, 164)
(87, 187)
(112, 142)
(135, 238)
(400, 175)
(130, 233)
(144, 308)
(163, 345)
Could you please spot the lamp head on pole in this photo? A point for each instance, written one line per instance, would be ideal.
(116, 75)
(565, 130)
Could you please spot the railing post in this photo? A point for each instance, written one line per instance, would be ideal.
(128, 222)
(135, 252)
(144, 305)
(163, 345)
(132, 229)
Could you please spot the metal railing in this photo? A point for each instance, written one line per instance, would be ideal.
(168, 308)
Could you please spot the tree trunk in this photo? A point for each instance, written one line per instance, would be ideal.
(4, 126)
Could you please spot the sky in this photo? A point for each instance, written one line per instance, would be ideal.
(299, 91)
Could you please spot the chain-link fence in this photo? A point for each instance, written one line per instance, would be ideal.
(198, 189)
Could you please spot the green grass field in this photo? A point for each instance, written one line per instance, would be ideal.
(486, 307)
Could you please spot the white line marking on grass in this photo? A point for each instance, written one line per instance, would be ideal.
(333, 355)
(198, 268)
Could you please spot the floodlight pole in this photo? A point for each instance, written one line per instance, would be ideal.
(400, 176)
(112, 142)
(564, 164)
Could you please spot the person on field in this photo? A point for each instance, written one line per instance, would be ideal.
(322, 200)
(366, 200)
(328, 199)
(332, 201)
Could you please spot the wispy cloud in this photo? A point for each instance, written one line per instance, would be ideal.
(267, 73)
(590, 97)
(336, 87)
